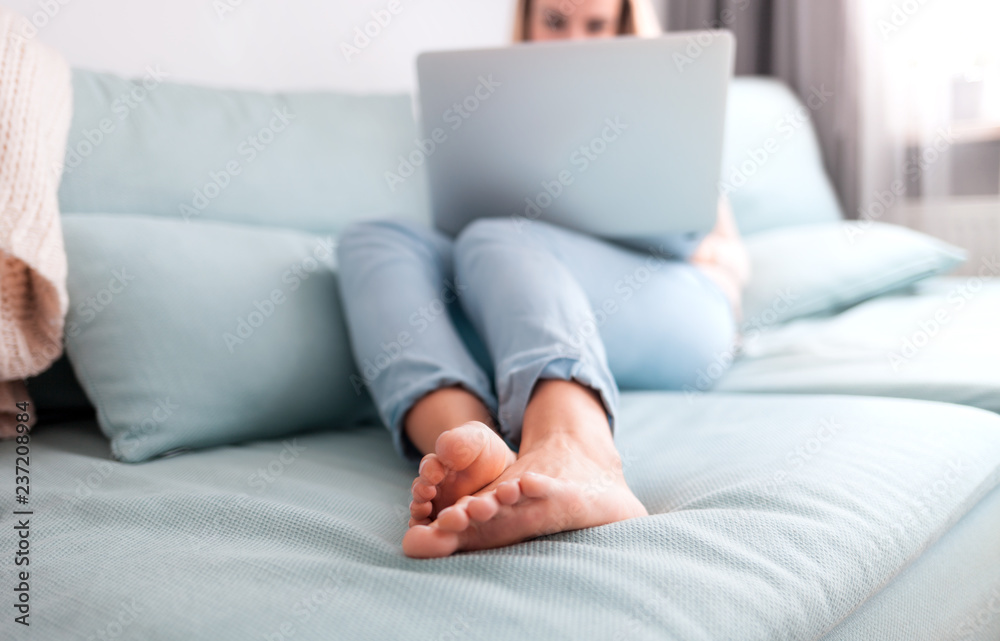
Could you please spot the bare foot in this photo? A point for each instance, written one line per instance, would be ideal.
(559, 485)
(465, 459)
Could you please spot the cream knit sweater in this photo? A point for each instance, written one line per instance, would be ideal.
(35, 108)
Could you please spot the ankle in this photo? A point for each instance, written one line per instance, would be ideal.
(442, 410)
(564, 409)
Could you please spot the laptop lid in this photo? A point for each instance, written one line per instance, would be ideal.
(618, 137)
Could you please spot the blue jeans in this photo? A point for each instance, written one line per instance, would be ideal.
(544, 302)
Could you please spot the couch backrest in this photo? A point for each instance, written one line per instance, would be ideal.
(772, 165)
(308, 161)
(317, 161)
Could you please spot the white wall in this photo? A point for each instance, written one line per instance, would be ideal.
(263, 44)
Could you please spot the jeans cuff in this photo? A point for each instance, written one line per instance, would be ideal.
(520, 385)
(393, 411)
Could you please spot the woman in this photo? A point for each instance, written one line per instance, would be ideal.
(566, 319)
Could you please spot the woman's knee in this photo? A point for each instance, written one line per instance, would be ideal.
(708, 348)
(483, 239)
(712, 352)
(486, 231)
(509, 231)
(683, 339)
(498, 237)
(376, 238)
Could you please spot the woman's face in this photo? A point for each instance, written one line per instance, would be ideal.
(573, 19)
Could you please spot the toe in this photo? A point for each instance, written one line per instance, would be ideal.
(483, 508)
(432, 470)
(414, 522)
(424, 542)
(536, 486)
(458, 448)
(508, 492)
(420, 510)
(423, 492)
(453, 519)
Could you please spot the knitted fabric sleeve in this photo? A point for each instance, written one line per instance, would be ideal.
(35, 109)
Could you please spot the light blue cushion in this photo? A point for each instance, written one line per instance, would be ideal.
(169, 153)
(951, 592)
(815, 269)
(195, 334)
(772, 167)
(770, 518)
(938, 343)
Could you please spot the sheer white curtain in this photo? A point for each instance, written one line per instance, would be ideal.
(912, 133)
(930, 132)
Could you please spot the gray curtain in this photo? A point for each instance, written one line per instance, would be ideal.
(808, 44)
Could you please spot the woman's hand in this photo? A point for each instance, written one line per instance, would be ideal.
(723, 256)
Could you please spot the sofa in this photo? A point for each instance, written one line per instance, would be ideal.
(207, 467)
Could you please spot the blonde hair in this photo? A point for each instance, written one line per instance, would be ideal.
(638, 19)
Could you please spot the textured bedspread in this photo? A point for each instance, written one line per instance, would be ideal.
(772, 518)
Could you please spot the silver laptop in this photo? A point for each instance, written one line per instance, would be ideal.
(620, 138)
